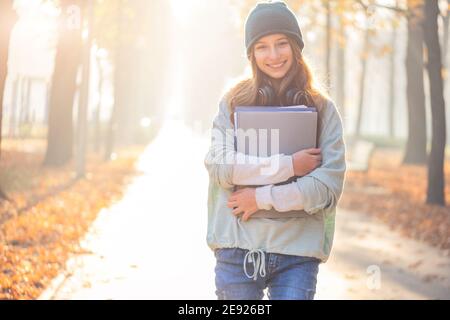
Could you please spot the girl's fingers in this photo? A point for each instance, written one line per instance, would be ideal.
(238, 191)
(235, 194)
(246, 216)
(231, 204)
(313, 151)
(237, 211)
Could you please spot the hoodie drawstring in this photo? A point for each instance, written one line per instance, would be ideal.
(259, 263)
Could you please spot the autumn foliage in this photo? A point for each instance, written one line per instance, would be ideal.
(396, 194)
(49, 214)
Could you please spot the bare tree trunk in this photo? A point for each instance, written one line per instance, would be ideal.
(60, 123)
(84, 94)
(124, 123)
(416, 146)
(341, 70)
(27, 102)
(24, 115)
(435, 192)
(112, 126)
(13, 110)
(97, 123)
(392, 81)
(446, 34)
(118, 57)
(328, 44)
(7, 19)
(362, 91)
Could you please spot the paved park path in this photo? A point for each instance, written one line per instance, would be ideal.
(152, 243)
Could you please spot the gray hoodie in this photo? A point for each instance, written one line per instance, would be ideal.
(317, 193)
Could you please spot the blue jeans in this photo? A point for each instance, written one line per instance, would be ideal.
(286, 277)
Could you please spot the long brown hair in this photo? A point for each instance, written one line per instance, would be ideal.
(245, 93)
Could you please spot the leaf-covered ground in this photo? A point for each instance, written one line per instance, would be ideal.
(50, 212)
(396, 194)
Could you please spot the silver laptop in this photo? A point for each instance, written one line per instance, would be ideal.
(293, 128)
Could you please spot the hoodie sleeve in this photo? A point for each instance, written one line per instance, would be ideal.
(223, 167)
(321, 188)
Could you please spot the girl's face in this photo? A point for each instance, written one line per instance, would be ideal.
(273, 55)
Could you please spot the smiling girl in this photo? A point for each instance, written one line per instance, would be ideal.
(281, 254)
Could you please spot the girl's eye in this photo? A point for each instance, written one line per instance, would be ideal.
(280, 44)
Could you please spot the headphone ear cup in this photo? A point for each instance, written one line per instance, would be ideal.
(298, 98)
(290, 96)
(266, 95)
(294, 97)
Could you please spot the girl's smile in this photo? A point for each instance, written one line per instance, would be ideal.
(277, 66)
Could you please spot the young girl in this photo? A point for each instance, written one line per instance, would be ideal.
(280, 254)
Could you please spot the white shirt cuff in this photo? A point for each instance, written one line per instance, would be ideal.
(288, 163)
(264, 197)
(251, 170)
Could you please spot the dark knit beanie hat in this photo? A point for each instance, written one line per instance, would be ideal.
(269, 18)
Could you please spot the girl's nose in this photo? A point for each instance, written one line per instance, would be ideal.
(274, 53)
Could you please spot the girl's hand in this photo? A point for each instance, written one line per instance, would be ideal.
(306, 161)
(243, 200)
